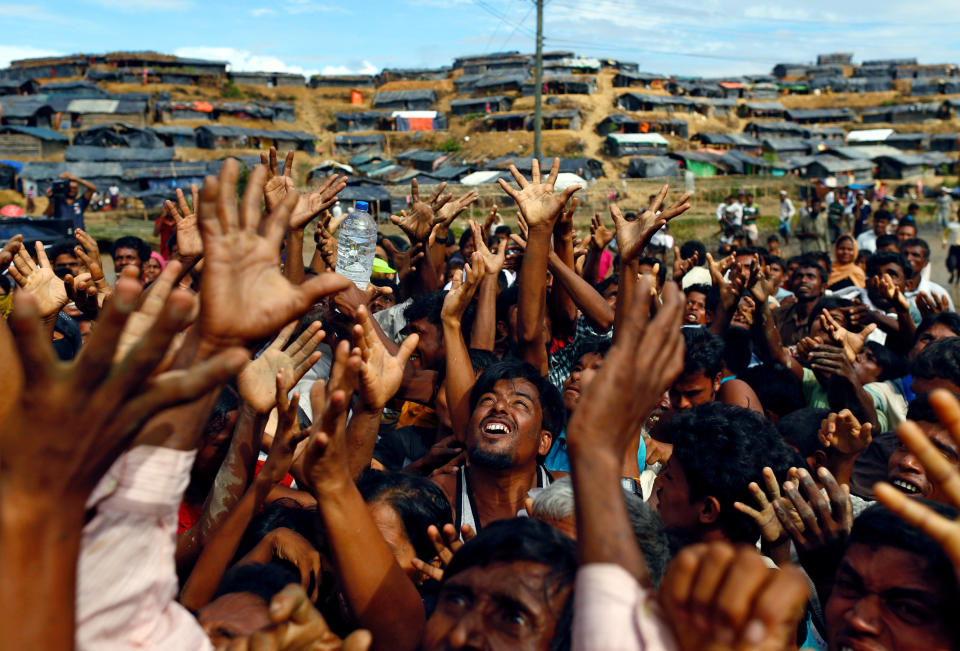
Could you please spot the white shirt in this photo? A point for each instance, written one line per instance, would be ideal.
(787, 211)
(867, 241)
(931, 288)
(733, 212)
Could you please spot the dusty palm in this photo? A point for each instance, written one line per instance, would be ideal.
(244, 294)
(538, 203)
(257, 382)
(39, 280)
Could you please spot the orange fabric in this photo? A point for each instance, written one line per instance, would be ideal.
(415, 414)
(421, 124)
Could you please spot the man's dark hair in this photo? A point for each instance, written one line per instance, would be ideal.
(722, 448)
(892, 364)
(701, 288)
(940, 359)
(604, 285)
(465, 237)
(882, 214)
(661, 271)
(533, 541)
(61, 247)
(887, 240)
(425, 306)
(879, 527)
(285, 513)
(779, 390)
(262, 579)
(502, 229)
(883, 258)
(551, 403)
(823, 260)
(799, 429)
(949, 320)
(418, 502)
(704, 352)
(913, 206)
(694, 246)
(809, 261)
(135, 243)
(918, 241)
(921, 410)
(594, 347)
(775, 259)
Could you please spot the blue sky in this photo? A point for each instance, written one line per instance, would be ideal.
(694, 37)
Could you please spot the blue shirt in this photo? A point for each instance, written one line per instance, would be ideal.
(72, 210)
(557, 459)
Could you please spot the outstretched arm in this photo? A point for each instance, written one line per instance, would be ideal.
(377, 592)
(460, 375)
(589, 300)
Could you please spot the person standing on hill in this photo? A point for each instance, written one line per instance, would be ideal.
(71, 204)
(944, 206)
(787, 211)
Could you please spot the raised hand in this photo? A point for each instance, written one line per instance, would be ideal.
(717, 597)
(941, 472)
(844, 433)
(831, 360)
(635, 373)
(89, 254)
(564, 225)
(893, 293)
(537, 201)
(492, 262)
(150, 308)
(278, 183)
(600, 235)
(83, 293)
(311, 205)
(929, 303)
(763, 285)
(9, 250)
(189, 242)
(326, 458)
(381, 373)
(852, 342)
(244, 295)
(451, 209)
(682, 265)
(728, 296)
(447, 543)
(404, 261)
(827, 521)
(256, 381)
(288, 435)
(462, 289)
(104, 401)
(766, 518)
(39, 280)
(423, 216)
(298, 626)
(632, 236)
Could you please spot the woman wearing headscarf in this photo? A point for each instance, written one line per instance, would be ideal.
(845, 272)
(152, 267)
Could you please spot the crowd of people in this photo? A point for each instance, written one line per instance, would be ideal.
(515, 438)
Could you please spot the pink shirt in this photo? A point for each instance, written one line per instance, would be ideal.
(606, 261)
(126, 579)
(612, 612)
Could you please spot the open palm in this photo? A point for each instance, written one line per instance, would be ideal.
(244, 294)
(632, 236)
(539, 204)
(39, 280)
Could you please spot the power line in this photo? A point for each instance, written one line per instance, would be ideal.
(503, 17)
(517, 26)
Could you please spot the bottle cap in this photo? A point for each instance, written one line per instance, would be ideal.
(363, 205)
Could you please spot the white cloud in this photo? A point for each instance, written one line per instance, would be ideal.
(10, 53)
(365, 68)
(262, 11)
(242, 60)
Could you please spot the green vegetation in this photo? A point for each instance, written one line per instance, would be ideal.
(231, 91)
(450, 145)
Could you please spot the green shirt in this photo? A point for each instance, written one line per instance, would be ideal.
(816, 396)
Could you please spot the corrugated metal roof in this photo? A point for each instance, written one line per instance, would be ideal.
(93, 106)
(868, 135)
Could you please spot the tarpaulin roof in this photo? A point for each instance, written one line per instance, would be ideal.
(869, 135)
(740, 139)
(765, 106)
(22, 106)
(85, 153)
(785, 144)
(833, 164)
(76, 88)
(37, 132)
(422, 155)
(864, 152)
(233, 132)
(173, 130)
(493, 99)
(387, 96)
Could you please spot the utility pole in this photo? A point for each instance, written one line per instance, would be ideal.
(538, 84)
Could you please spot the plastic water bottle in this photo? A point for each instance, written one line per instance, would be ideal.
(357, 245)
